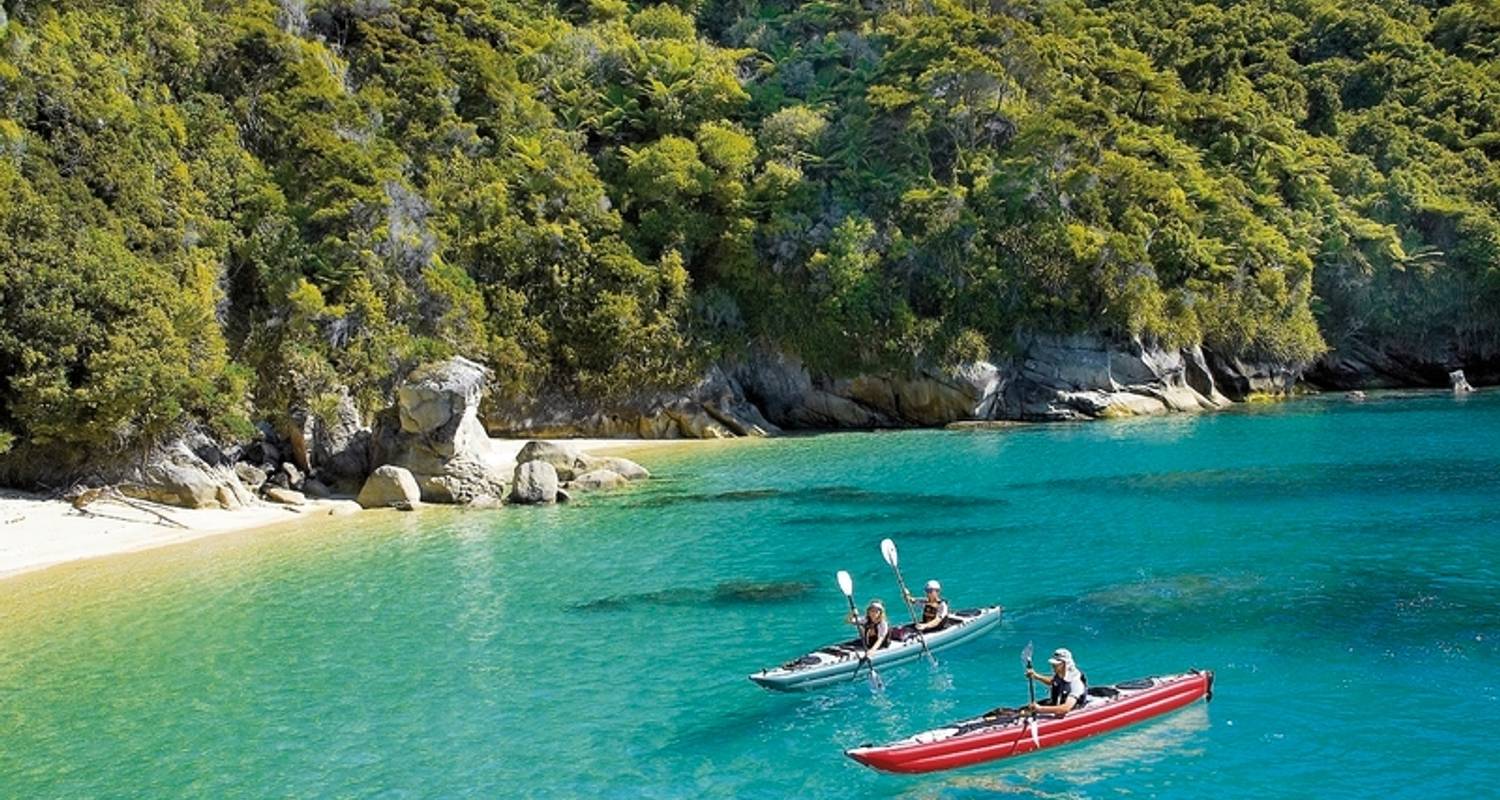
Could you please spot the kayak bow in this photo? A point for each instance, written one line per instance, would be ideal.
(1003, 733)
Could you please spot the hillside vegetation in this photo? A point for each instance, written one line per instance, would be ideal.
(219, 211)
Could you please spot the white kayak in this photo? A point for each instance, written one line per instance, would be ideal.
(844, 661)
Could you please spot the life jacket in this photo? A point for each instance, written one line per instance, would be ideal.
(1060, 690)
(930, 611)
(869, 632)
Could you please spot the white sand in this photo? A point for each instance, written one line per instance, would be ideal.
(36, 532)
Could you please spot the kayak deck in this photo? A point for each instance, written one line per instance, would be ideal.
(1006, 732)
(839, 662)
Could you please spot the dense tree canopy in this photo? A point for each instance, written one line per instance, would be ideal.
(215, 210)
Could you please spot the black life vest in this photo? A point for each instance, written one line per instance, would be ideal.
(1060, 690)
(930, 611)
(869, 632)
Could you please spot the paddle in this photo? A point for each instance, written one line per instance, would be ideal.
(846, 584)
(1036, 739)
(888, 550)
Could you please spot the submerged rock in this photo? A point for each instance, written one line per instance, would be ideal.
(389, 486)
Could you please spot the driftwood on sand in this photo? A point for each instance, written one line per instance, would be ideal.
(84, 498)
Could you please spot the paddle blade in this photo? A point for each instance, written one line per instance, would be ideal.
(846, 584)
(1036, 739)
(1026, 653)
(888, 549)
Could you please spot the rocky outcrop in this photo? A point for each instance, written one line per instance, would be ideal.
(1239, 379)
(1046, 378)
(536, 482)
(389, 487)
(335, 447)
(434, 432)
(1087, 377)
(572, 464)
(1459, 383)
(288, 497)
(191, 472)
(597, 479)
(1049, 378)
(714, 408)
(1356, 364)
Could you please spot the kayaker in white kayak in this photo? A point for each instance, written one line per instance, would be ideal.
(874, 630)
(934, 608)
(1068, 685)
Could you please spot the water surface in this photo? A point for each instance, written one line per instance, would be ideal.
(1336, 564)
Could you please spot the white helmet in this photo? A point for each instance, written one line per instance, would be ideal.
(934, 586)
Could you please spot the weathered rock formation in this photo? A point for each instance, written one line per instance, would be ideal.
(389, 487)
(714, 408)
(191, 472)
(434, 432)
(536, 482)
(334, 447)
(1356, 364)
(1047, 378)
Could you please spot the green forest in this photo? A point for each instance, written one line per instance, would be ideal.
(213, 212)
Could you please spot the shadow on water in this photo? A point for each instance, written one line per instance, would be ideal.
(826, 495)
(1388, 610)
(726, 593)
(1291, 481)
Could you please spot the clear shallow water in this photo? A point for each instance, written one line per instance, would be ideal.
(1337, 564)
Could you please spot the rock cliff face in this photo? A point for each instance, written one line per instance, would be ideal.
(1048, 378)
(714, 408)
(1355, 364)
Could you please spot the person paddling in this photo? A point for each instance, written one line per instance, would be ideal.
(1068, 684)
(874, 630)
(934, 608)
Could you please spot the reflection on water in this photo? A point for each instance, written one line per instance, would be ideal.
(1066, 771)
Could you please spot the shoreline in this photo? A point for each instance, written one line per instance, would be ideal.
(38, 532)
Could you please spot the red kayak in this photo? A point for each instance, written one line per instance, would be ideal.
(1007, 732)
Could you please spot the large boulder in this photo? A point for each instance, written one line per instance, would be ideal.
(434, 432)
(563, 457)
(389, 486)
(536, 482)
(597, 479)
(624, 467)
(287, 497)
(178, 474)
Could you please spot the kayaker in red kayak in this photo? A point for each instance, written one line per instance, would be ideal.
(1069, 688)
(874, 630)
(934, 608)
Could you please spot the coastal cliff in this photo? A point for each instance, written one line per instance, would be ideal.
(1049, 378)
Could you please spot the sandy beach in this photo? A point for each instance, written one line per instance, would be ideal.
(38, 532)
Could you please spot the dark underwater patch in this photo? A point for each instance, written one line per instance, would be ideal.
(737, 592)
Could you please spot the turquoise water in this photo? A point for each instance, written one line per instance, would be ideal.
(1337, 564)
